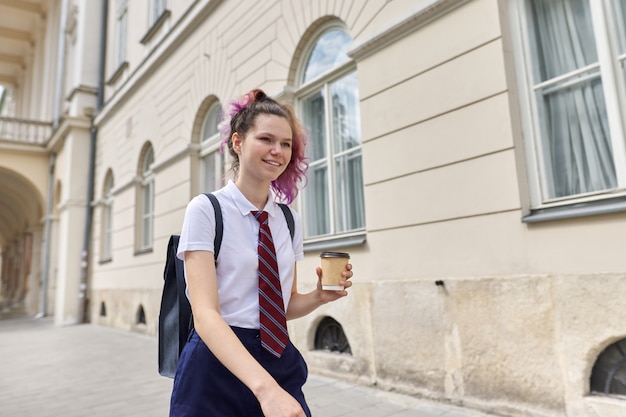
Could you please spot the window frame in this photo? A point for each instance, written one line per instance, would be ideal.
(302, 91)
(210, 147)
(156, 9)
(543, 207)
(121, 33)
(106, 251)
(146, 194)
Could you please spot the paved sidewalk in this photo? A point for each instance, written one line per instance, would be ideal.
(93, 371)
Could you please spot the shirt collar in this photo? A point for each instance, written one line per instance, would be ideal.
(243, 205)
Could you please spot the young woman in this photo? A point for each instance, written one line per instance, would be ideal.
(225, 369)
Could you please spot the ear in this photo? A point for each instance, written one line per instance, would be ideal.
(236, 141)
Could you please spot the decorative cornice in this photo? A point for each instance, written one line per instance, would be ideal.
(82, 89)
(67, 124)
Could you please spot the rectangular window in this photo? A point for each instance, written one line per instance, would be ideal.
(107, 238)
(147, 214)
(121, 27)
(157, 7)
(572, 55)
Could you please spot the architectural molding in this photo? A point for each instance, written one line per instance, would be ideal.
(135, 181)
(155, 27)
(189, 150)
(67, 124)
(82, 89)
(72, 203)
(427, 14)
(189, 21)
(117, 74)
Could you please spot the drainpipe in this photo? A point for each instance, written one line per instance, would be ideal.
(84, 264)
(58, 93)
(45, 256)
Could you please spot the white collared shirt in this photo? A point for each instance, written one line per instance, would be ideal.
(237, 261)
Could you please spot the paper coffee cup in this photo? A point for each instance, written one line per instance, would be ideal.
(333, 264)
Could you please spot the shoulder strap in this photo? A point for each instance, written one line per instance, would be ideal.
(288, 217)
(219, 225)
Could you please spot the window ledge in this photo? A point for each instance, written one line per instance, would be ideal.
(142, 251)
(602, 405)
(117, 74)
(105, 261)
(335, 242)
(592, 208)
(155, 27)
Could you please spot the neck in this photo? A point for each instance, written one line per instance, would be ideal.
(255, 193)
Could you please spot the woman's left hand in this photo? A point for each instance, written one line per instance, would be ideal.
(332, 295)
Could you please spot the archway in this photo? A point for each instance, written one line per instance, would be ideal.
(21, 214)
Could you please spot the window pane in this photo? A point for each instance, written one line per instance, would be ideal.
(315, 120)
(620, 23)
(562, 37)
(157, 8)
(210, 126)
(577, 150)
(108, 230)
(211, 169)
(349, 187)
(148, 160)
(316, 201)
(147, 213)
(620, 20)
(146, 200)
(329, 51)
(147, 233)
(120, 32)
(346, 116)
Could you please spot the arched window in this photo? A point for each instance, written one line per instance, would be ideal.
(146, 200)
(328, 101)
(106, 252)
(608, 375)
(212, 161)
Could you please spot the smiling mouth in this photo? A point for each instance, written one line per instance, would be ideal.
(273, 163)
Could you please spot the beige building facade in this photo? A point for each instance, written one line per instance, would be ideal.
(468, 154)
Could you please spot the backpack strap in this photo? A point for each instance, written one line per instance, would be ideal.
(219, 225)
(289, 217)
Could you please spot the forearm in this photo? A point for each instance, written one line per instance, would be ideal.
(302, 304)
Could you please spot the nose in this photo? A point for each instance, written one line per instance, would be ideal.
(276, 149)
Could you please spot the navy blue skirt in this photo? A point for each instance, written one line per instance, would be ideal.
(203, 387)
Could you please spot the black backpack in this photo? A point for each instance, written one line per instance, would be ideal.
(175, 318)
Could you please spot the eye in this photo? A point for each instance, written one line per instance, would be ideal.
(286, 144)
(264, 139)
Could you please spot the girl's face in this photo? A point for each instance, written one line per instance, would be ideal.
(265, 151)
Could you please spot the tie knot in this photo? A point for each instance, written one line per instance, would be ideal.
(261, 216)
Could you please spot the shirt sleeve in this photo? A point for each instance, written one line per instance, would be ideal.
(198, 231)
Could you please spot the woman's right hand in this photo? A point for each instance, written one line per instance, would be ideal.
(277, 402)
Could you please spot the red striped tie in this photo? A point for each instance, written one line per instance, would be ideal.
(273, 330)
